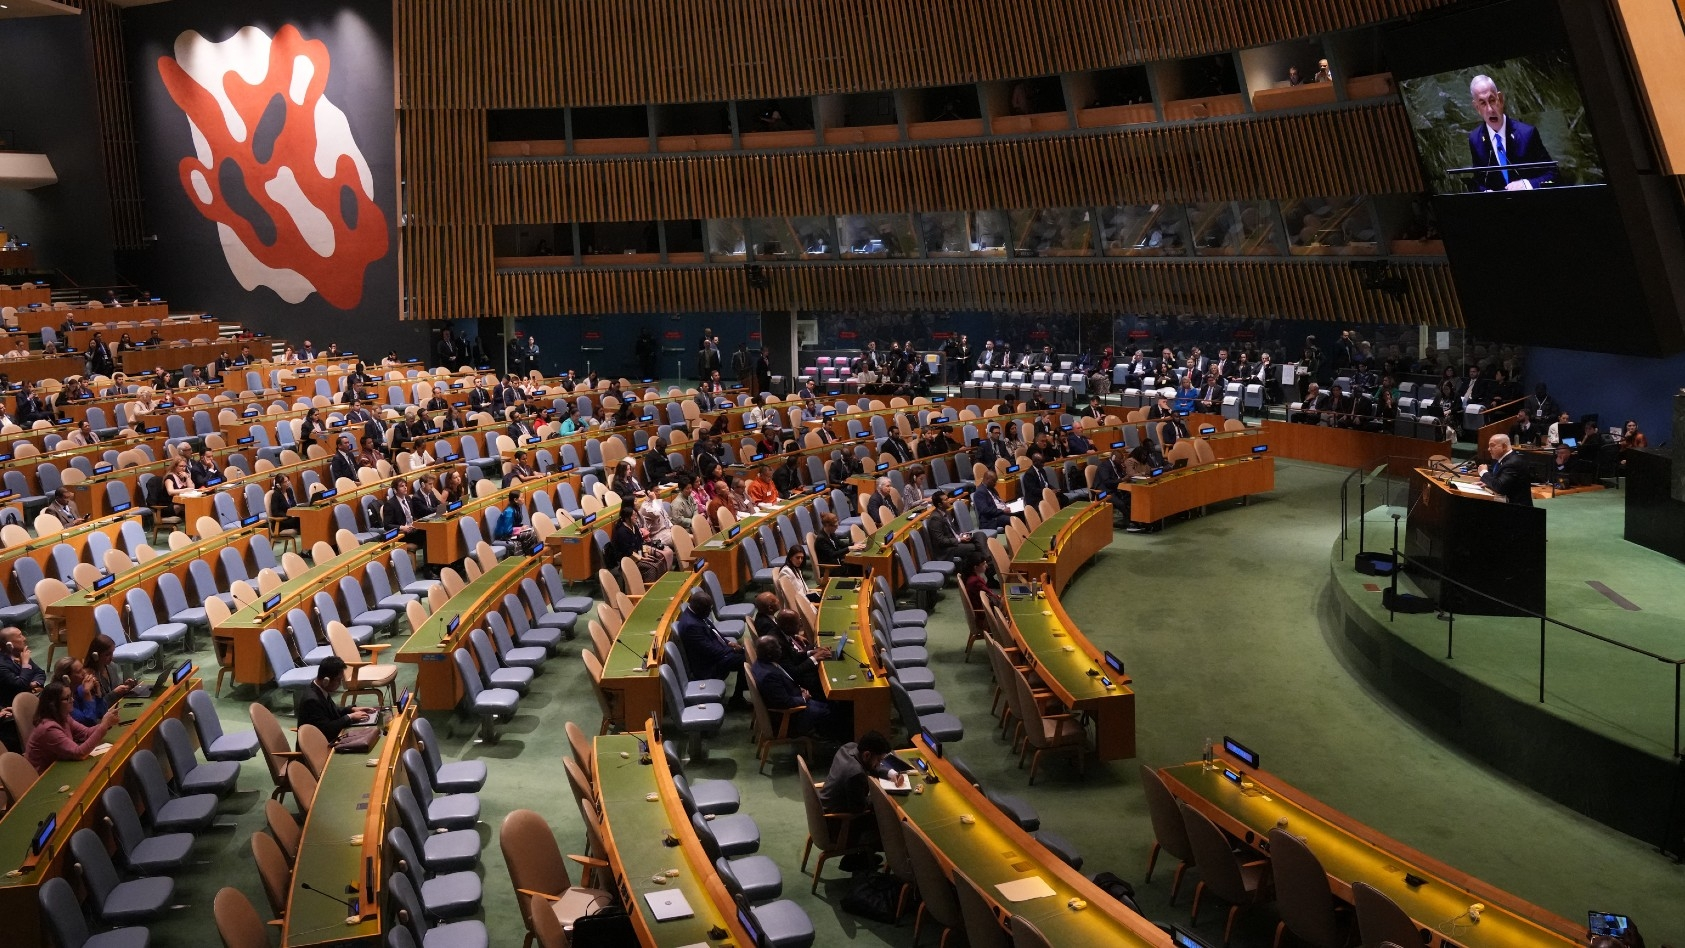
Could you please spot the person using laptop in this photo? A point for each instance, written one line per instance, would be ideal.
(316, 706)
(100, 668)
(781, 692)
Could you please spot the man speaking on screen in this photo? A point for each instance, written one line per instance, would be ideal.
(1501, 140)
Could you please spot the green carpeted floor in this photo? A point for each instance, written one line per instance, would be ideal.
(1223, 622)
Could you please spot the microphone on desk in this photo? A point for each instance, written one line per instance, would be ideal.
(351, 905)
(643, 660)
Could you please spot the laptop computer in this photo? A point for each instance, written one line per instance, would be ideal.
(668, 905)
(145, 691)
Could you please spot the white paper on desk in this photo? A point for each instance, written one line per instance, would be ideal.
(668, 905)
(1471, 488)
(890, 786)
(1016, 506)
(1023, 890)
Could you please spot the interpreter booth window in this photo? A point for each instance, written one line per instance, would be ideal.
(1331, 225)
(725, 239)
(1144, 230)
(1235, 229)
(793, 238)
(884, 236)
(964, 233)
(1053, 232)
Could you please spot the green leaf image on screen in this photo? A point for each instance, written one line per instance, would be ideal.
(1539, 89)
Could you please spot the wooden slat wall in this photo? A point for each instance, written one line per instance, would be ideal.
(117, 127)
(1356, 150)
(1291, 289)
(446, 236)
(549, 53)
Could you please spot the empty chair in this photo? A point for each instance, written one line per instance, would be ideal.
(778, 924)
(165, 812)
(496, 675)
(937, 898)
(445, 895)
(356, 606)
(1220, 869)
(143, 616)
(945, 726)
(1380, 920)
(696, 691)
(288, 675)
(463, 776)
(237, 921)
(63, 915)
(1169, 832)
(757, 877)
(694, 721)
(18, 614)
(380, 588)
(556, 592)
(446, 811)
(489, 704)
(982, 929)
(363, 676)
(450, 851)
(305, 641)
(204, 583)
(327, 612)
(142, 854)
(510, 654)
(536, 866)
(405, 571)
(107, 622)
(192, 775)
(288, 835)
(216, 744)
(116, 902)
(1302, 895)
(406, 907)
(178, 609)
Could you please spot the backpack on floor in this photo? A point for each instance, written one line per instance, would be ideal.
(874, 898)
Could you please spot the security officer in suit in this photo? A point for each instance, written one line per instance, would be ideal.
(1507, 474)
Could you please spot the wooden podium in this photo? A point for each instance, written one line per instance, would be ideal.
(1478, 540)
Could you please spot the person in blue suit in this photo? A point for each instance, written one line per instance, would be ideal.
(708, 653)
(1501, 140)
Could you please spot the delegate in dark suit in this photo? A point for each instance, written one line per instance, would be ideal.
(1522, 145)
(708, 653)
(1507, 477)
(316, 707)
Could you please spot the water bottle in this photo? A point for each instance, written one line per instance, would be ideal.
(1208, 754)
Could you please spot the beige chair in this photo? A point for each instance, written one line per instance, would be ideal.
(896, 859)
(145, 554)
(416, 613)
(1380, 920)
(937, 898)
(243, 593)
(829, 833)
(238, 922)
(1025, 934)
(46, 525)
(471, 569)
(179, 539)
(268, 581)
(284, 828)
(24, 707)
(363, 676)
(86, 575)
(206, 527)
(1169, 832)
(451, 580)
(322, 552)
(314, 749)
(273, 871)
(116, 562)
(631, 580)
(302, 783)
(769, 735)
(1220, 870)
(294, 564)
(1044, 732)
(1302, 897)
(601, 642)
(16, 776)
(539, 873)
(48, 592)
(594, 668)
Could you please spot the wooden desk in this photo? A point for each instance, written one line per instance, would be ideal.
(1234, 444)
(27, 295)
(993, 850)
(36, 368)
(724, 553)
(1068, 662)
(1351, 852)
(571, 546)
(80, 808)
(1348, 447)
(76, 611)
(634, 694)
(1190, 487)
(635, 829)
(879, 554)
(1064, 543)
(443, 532)
(170, 330)
(90, 494)
(846, 610)
(429, 648)
(352, 799)
(35, 320)
(236, 640)
(40, 549)
(137, 361)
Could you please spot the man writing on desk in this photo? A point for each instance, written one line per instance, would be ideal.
(1501, 140)
(1507, 474)
(845, 791)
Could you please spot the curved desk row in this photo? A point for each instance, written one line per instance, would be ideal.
(78, 807)
(631, 683)
(429, 648)
(1351, 852)
(1189, 488)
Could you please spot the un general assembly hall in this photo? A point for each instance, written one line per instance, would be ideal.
(805, 473)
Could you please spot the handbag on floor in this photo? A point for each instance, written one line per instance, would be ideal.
(874, 898)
